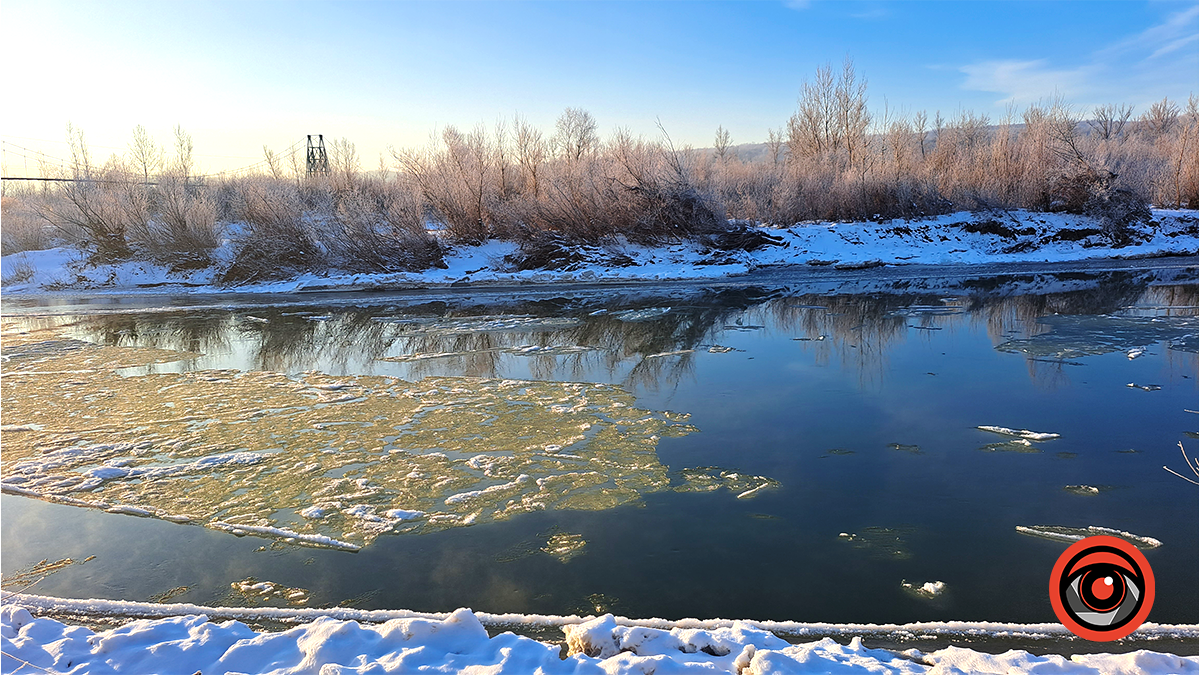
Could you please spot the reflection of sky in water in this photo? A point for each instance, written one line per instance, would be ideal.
(808, 373)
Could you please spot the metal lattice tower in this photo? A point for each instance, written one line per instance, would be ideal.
(318, 160)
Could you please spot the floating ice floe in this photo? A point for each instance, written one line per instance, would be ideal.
(288, 536)
(1019, 433)
(929, 589)
(565, 546)
(881, 543)
(1075, 336)
(1144, 387)
(1059, 533)
(649, 314)
(1013, 445)
(255, 591)
(394, 456)
(678, 352)
(711, 478)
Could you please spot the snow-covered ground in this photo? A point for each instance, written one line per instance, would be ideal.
(957, 238)
(404, 642)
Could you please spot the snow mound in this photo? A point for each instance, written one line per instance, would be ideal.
(459, 643)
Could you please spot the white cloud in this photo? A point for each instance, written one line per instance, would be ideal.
(1178, 30)
(1137, 69)
(1024, 81)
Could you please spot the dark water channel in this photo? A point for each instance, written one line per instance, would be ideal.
(830, 452)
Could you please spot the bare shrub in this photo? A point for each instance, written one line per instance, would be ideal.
(379, 228)
(91, 206)
(23, 230)
(1093, 194)
(183, 230)
(276, 240)
(453, 178)
(1108, 121)
(17, 271)
(1159, 119)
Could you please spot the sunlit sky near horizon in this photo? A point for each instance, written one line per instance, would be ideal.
(240, 75)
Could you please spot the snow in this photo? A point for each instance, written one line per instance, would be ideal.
(1019, 433)
(1073, 534)
(940, 240)
(464, 496)
(186, 640)
(281, 533)
(929, 589)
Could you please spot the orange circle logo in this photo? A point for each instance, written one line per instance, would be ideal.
(1102, 588)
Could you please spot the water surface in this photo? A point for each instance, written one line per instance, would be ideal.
(779, 447)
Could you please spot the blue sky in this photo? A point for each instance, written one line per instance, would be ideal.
(239, 75)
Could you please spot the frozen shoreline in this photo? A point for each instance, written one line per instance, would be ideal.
(185, 639)
(953, 239)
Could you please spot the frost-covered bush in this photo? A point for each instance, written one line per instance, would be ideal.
(276, 239)
(380, 227)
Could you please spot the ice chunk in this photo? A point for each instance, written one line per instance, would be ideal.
(929, 589)
(565, 546)
(1060, 533)
(649, 314)
(1019, 433)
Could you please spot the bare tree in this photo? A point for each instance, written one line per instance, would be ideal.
(1108, 121)
(531, 153)
(721, 144)
(831, 115)
(144, 153)
(1184, 158)
(775, 142)
(343, 162)
(274, 164)
(1159, 119)
(183, 153)
(851, 117)
(811, 129)
(575, 133)
(920, 128)
(500, 159)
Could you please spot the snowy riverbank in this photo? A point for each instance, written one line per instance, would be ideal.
(957, 238)
(186, 641)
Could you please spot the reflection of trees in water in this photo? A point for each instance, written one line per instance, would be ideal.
(859, 328)
(577, 338)
(1005, 314)
(288, 342)
(201, 332)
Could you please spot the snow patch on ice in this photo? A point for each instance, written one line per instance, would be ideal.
(281, 533)
(1072, 534)
(929, 589)
(1019, 433)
